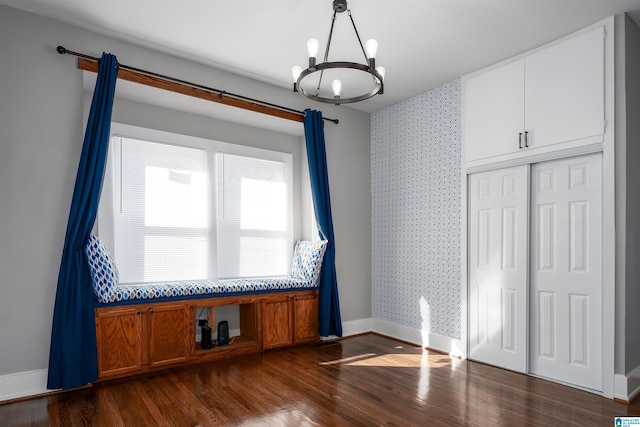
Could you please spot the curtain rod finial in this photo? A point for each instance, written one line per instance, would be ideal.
(61, 50)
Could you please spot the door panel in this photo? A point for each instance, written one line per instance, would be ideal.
(118, 336)
(169, 337)
(277, 322)
(498, 267)
(566, 277)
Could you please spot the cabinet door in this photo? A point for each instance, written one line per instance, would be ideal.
(168, 335)
(498, 261)
(305, 318)
(493, 110)
(277, 322)
(564, 91)
(118, 336)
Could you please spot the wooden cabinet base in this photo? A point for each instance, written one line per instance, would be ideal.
(135, 339)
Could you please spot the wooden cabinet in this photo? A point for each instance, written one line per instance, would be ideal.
(290, 319)
(277, 322)
(549, 100)
(119, 339)
(305, 318)
(146, 337)
(168, 335)
(141, 337)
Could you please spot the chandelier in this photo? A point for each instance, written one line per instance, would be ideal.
(313, 87)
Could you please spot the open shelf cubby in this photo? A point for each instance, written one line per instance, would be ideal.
(246, 337)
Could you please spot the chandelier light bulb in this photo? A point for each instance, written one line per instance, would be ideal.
(295, 72)
(372, 48)
(312, 46)
(381, 71)
(336, 85)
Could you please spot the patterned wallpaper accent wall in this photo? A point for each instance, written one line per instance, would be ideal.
(415, 196)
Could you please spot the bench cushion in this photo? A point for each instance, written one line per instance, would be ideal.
(144, 291)
(307, 263)
(104, 273)
(307, 260)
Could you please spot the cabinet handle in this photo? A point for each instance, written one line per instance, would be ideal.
(138, 312)
(526, 139)
(520, 140)
(151, 311)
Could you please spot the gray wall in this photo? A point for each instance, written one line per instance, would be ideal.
(632, 157)
(41, 130)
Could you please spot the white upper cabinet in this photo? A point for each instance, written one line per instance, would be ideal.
(494, 103)
(549, 100)
(564, 91)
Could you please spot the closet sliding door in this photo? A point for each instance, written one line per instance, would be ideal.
(498, 260)
(566, 271)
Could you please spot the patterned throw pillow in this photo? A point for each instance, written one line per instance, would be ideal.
(103, 270)
(307, 260)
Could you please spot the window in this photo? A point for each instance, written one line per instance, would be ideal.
(160, 215)
(252, 216)
(181, 208)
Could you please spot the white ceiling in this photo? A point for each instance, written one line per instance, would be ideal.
(422, 43)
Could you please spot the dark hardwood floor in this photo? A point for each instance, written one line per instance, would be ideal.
(366, 380)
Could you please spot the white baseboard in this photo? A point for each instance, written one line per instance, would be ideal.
(424, 339)
(627, 387)
(355, 327)
(23, 384)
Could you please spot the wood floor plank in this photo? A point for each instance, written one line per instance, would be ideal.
(367, 380)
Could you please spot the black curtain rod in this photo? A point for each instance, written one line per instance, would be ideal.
(62, 51)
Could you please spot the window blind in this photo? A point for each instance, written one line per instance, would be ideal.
(252, 218)
(160, 218)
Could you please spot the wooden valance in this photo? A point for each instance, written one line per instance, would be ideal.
(196, 92)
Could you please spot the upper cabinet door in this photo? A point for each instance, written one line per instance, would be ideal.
(494, 111)
(564, 91)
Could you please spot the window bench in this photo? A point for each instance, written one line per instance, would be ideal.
(145, 327)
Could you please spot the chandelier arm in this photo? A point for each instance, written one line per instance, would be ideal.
(319, 82)
(366, 60)
(326, 51)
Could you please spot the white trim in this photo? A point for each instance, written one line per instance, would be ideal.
(609, 218)
(549, 153)
(355, 327)
(464, 239)
(425, 339)
(22, 384)
(627, 387)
